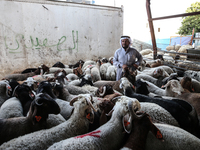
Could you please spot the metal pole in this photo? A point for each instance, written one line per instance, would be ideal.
(151, 28)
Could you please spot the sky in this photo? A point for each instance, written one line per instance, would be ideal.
(135, 16)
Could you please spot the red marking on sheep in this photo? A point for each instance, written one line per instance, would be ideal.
(126, 123)
(38, 118)
(90, 134)
(88, 116)
(159, 135)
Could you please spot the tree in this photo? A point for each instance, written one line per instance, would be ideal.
(190, 22)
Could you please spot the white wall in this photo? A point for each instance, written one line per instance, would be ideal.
(36, 32)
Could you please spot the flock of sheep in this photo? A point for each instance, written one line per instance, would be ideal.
(81, 106)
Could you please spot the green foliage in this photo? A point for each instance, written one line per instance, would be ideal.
(190, 22)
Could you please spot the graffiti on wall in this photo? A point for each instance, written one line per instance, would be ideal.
(39, 44)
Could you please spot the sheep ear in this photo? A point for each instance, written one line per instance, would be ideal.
(156, 132)
(127, 123)
(90, 115)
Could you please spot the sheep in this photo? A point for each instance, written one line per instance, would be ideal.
(175, 138)
(157, 63)
(20, 77)
(36, 119)
(11, 108)
(54, 69)
(77, 124)
(142, 124)
(182, 111)
(183, 48)
(146, 52)
(192, 74)
(158, 113)
(104, 60)
(72, 77)
(111, 73)
(195, 85)
(78, 71)
(59, 64)
(25, 95)
(154, 72)
(114, 84)
(148, 78)
(173, 76)
(103, 70)
(5, 89)
(111, 60)
(95, 72)
(100, 117)
(175, 87)
(186, 83)
(77, 64)
(88, 62)
(100, 138)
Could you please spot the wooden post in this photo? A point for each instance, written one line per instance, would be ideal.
(151, 28)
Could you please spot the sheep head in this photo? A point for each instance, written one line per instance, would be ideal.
(41, 107)
(124, 83)
(23, 91)
(104, 90)
(45, 87)
(186, 83)
(84, 102)
(5, 87)
(122, 110)
(143, 120)
(173, 87)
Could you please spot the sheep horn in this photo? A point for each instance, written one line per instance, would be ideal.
(73, 100)
(104, 90)
(110, 113)
(130, 103)
(37, 103)
(89, 102)
(14, 90)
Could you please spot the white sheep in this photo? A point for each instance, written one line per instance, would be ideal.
(77, 124)
(146, 52)
(111, 73)
(112, 130)
(174, 138)
(154, 72)
(88, 63)
(158, 113)
(72, 76)
(95, 72)
(147, 78)
(172, 85)
(192, 74)
(103, 70)
(11, 108)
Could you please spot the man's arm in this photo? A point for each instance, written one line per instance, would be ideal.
(116, 62)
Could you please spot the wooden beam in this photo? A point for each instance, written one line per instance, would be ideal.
(151, 29)
(174, 16)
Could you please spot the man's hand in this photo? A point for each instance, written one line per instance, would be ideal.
(135, 65)
(125, 67)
